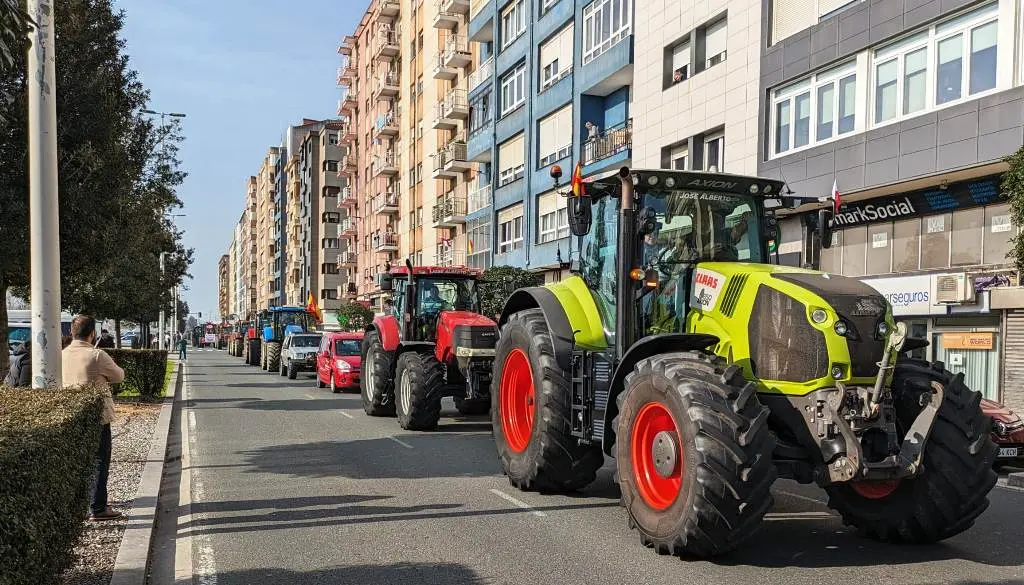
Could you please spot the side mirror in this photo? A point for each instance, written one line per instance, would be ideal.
(580, 215)
(825, 217)
(385, 281)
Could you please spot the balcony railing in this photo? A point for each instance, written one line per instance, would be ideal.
(347, 258)
(612, 141)
(347, 197)
(451, 208)
(385, 242)
(385, 163)
(348, 45)
(387, 123)
(475, 6)
(386, 46)
(451, 160)
(479, 195)
(452, 252)
(385, 203)
(456, 51)
(387, 85)
(445, 17)
(482, 73)
(389, 8)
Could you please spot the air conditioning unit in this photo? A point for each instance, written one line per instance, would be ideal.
(954, 289)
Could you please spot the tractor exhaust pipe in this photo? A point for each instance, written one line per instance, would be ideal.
(625, 316)
(409, 300)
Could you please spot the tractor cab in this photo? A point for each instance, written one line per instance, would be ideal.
(431, 297)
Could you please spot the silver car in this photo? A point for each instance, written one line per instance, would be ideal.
(298, 354)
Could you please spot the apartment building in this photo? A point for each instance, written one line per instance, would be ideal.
(267, 230)
(224, 285)
(239, 243)
(294, 228)
(250, 251)
(552, 84)
(909, 108)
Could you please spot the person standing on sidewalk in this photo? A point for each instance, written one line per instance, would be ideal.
(182, 345)
(84, 364)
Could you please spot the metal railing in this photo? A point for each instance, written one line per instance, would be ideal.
(450, 205)
(452, 252)
(389, 199)
(383, 161)
(387, 36)
(455, 44)
(388, 119)
(385, 240)
(456, 98)
(388, 79)
(612, 141)
(482, 73)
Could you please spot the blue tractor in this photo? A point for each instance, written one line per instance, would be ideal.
(276, 323)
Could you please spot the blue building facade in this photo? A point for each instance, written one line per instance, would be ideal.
(530, 109)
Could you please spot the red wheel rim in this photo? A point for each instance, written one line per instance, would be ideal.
(875, 490)
(658, 491)
(517, 400)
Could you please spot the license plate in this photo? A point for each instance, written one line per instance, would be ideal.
(1008, 451)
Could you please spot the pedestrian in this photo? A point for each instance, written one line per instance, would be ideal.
(181, 349)
(105, 341)
(592, 131)
(20, 374)
(84, 364)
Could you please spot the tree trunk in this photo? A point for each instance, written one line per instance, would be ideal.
(117, 333)
(5, 356)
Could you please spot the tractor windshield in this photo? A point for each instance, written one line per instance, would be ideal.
(447, 294)
(286, 318)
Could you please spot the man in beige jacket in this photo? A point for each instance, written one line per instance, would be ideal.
(84, 364)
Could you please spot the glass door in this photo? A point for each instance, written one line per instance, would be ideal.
(980, 367)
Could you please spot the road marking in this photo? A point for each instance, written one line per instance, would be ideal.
(310, 397)
(517, 503)
(200, 566)
(804, 498)
(401, 442)
(347, 415)
(191, 420)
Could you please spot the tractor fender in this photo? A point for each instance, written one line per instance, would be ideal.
(538, 297)
(387, 327)
(447, 321)
(642, 349)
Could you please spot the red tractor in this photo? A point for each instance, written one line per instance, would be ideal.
(431, 342)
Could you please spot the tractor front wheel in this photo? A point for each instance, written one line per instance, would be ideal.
(418, 376)
(472, 406)
(694, 454)
(273, 356)
(377, 383)
(952, 490)
(531, 411)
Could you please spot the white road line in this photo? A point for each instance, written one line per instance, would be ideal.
(346, 415)
(310, 397)
(203, 567)
(804, 498)
(401, 442)
(517, 503)
(191, 420)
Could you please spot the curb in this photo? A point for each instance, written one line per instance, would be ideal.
(1015, 480)
(130, 568)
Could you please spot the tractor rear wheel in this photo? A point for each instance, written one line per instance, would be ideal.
(418, 377)
(377, 383)
(531, 412)
(694, 454)
(273, 356)
(472, 406)
(952, 490)
(253, 352)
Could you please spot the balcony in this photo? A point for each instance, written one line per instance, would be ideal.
(347, 259)
(450, 209)
(347, 133)
(385, 243)
(386, 46)
(608, 143)
(387, 86)
(386, 124)
(444, 18)
(385, 164)
(456, 52)
(347, 198)
(389, 8)
(348, 227)
(348, 103)
(481, 74)
(450, 162)
(348, 166)
(452, 252)
(450, 110)
(480, 195)
(348, 46)
(385, 203)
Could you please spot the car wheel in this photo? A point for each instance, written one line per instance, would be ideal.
(334, 385)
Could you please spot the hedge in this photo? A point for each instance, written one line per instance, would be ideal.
(144, 371)
(48, 445)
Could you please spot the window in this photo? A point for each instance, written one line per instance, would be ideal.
(513, 89)
(546, 5)
(328, 268)
(680, 63)
(330, 243)
(714, 152)
(419, 173)
(331, 165)
(679, 157)
(715, 43)
(935, 241)
(815, 110)
(513, 22)
(330, 294)
(331, 217)
(556, 57)
(510, 229)
(480, 113)
(332, 139)
(555, 136)
(941, 65)
(999, 230)
(511, 160)
(967, 236)
(605, 23)
(553, 218)
(792, 16)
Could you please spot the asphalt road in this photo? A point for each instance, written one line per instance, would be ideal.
(291, 484)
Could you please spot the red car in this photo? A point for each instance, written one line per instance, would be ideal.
(1007, 433)
(338, 361)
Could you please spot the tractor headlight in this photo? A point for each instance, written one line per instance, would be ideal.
(837, 372)
(670, 182)
(883, 329)
(840, 328)
(754, 189)
(652, 180)
(819, 316)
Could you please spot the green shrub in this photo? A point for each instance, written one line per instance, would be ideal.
(48, 445)
(144, 371)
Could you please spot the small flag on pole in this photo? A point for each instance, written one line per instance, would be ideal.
(836, 197)
(578, 190)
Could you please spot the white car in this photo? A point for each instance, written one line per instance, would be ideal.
(298, 354)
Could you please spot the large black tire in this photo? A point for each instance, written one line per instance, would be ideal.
(552, 459)
(952, 491)
(273, 356)
(263, 356)
(472, 406)
(292, 372)
(254, 353)
(377, 384)
(418, 378)
(723, 462)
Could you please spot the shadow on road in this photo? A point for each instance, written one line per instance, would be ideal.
(397, 574)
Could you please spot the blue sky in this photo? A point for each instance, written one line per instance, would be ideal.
(242, 71)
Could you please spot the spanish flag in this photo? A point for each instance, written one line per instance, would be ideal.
(470, 247)
(578, 190)
(312, 308)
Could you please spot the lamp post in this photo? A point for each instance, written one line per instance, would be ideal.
(44, 238)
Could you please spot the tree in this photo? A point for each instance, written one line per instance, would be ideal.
(498, 284)
(1013, 189)
(354, 316)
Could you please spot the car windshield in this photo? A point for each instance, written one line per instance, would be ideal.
(306, 341)
(346, 347)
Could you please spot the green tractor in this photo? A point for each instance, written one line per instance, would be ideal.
(276, 323)
(708, 373)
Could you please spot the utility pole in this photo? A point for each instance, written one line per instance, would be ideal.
(160, 325)
(44, 226)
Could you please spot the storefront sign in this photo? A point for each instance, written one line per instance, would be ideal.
(908, 295)
(968, 340)
(929, 201)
